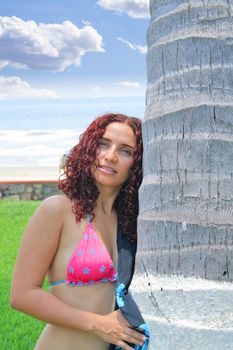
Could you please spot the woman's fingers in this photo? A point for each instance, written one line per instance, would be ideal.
(134, 337)
(123, 345)
(124, 338)
(129, 336)
(115, 329)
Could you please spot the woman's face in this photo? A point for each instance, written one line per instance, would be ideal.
(116, 155)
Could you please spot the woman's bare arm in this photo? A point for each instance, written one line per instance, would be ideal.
(38, 248)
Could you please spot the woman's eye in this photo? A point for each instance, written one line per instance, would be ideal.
(103, 144)
(126, 152)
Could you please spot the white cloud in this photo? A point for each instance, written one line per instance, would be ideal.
(45, 46)
(130, 84)
(86, 23)
(140, 48)
(14, 87)
(133, 8)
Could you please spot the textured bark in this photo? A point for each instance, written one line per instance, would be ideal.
(186, 199)
(184, 265)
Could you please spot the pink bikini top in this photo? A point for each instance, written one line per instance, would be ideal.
(90, 263)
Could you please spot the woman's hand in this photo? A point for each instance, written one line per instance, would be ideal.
(115, 329)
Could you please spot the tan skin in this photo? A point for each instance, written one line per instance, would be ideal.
(77, 317)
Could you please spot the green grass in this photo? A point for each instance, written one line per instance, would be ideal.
(17, 331)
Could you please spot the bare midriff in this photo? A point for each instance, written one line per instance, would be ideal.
(98, 299)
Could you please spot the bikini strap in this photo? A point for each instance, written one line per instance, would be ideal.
(88, 218)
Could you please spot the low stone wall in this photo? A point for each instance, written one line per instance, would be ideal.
(28, 189)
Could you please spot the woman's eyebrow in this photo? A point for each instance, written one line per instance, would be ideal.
(123, 144)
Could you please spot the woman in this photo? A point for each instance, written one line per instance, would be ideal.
(72, 238)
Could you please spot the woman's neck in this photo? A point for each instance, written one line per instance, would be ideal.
(106, 199)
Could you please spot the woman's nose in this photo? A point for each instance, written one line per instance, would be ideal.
(110, 155)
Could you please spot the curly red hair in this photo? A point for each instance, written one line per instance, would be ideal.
(79, 183)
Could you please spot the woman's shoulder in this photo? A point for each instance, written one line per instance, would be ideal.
(57, 205)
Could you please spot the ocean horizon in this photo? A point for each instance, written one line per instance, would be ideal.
(36, 133)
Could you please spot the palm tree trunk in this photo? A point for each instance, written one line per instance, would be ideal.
(185, 248)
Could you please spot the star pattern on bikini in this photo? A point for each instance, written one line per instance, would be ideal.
(90, 262)
(92, 251)
(71, 269)
(102, 268)
(86, 236)
(80, 252)
(86, 270)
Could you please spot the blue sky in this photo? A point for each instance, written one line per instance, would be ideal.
(73, 48)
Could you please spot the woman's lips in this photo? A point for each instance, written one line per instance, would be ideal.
(107, 170)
